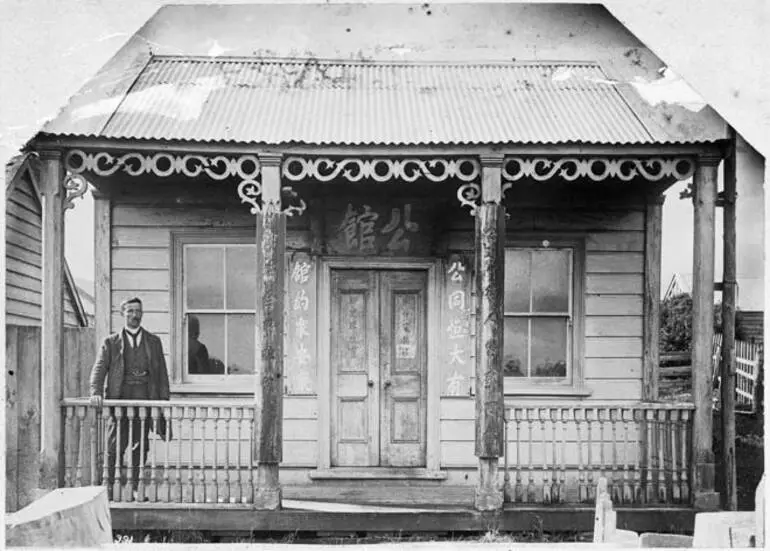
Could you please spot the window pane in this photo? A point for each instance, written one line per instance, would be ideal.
(549, 347)
(515, 345)
(550, 281)
(203, 277)
(241, 278)
(205, 344)
(240, 344)
(517, 272)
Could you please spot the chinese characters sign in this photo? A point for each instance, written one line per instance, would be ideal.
(300, 343)
(459, 353)
(378, 228)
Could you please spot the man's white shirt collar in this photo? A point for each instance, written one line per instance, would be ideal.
(137, 332)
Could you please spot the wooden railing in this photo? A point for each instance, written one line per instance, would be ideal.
(206, 458)
(557, 453)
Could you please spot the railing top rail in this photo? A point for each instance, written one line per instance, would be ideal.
(177, 402)
(603, 405)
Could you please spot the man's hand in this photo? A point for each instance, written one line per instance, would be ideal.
(96, 400)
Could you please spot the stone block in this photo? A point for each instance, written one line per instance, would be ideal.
(67, 517)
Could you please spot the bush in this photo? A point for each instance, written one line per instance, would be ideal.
(676, 323)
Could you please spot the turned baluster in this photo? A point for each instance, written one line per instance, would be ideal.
(649, 493)
(542, 414)
(531, 486)
(506, 472)
(564, 415)
(252, 466)
(519, 490)
(93, 433)
(553, 415)
(174, 413)
(154, 421)
(81, 413)
(662, 442)
(203, 416)
(69, 432)
(168, 416)
(228, 414)
(628, 491)
(106, 418)
(191, 446)
(142, 424)
(601, 416)
(641, 449)
(239, 425)
(215, 469)
(118, 488)
(617, 490)
(131, 414)
(589, 459)
(582, 494)
(684, 477)
(672, 429)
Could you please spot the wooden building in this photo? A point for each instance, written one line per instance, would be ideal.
(386, 280)
(23, 251)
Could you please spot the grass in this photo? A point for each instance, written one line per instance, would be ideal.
(535, 535)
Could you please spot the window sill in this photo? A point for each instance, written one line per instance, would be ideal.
(546, 391)
(211, 388)
(377, 473)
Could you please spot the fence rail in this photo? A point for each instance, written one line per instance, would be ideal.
(746, 371)
(203, 456)
(555, 454)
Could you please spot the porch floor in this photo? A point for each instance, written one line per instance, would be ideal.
(310, 516)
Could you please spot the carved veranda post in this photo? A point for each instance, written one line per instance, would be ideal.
(52, 175)
(489, 238)
(704, 201)
(268, 393)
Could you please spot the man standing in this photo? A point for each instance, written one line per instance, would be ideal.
(130, 366)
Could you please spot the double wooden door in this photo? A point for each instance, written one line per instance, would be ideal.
(378, 368)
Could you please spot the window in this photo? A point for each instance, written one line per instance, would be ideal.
(218, 300)
(540, 315)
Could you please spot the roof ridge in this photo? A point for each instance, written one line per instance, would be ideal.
(363, 62)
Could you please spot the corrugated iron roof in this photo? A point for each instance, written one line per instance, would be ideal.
(310, 101)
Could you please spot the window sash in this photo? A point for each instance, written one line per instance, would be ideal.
(224, 311)
(531, 315)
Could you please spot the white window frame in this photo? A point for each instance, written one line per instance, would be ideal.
(573, 383)
(180, 379)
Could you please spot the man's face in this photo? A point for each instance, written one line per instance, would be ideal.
(132, 314)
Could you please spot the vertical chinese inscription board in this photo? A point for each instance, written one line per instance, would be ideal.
(457, 360)
(300, 327)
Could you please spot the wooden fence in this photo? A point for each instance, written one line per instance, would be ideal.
(746, 372)
(22, 407)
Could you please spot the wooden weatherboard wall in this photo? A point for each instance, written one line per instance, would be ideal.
(612, 344)
(22, 405)
(23, 258)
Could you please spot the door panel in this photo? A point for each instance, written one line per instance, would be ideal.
(379, 368)
(403, 361)
(354, 359)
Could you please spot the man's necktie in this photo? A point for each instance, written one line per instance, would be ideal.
(133, 338)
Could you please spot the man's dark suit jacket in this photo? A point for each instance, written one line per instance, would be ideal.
(109, 369)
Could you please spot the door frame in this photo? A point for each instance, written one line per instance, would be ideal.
(433, 311)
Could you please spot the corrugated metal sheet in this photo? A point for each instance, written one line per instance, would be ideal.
(356, 103)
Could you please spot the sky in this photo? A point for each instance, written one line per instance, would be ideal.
(49, 48)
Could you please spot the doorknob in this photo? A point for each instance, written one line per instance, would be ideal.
(387, 383)
(370, 383)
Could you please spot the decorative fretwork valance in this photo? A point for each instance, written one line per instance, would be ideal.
(407, 169)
